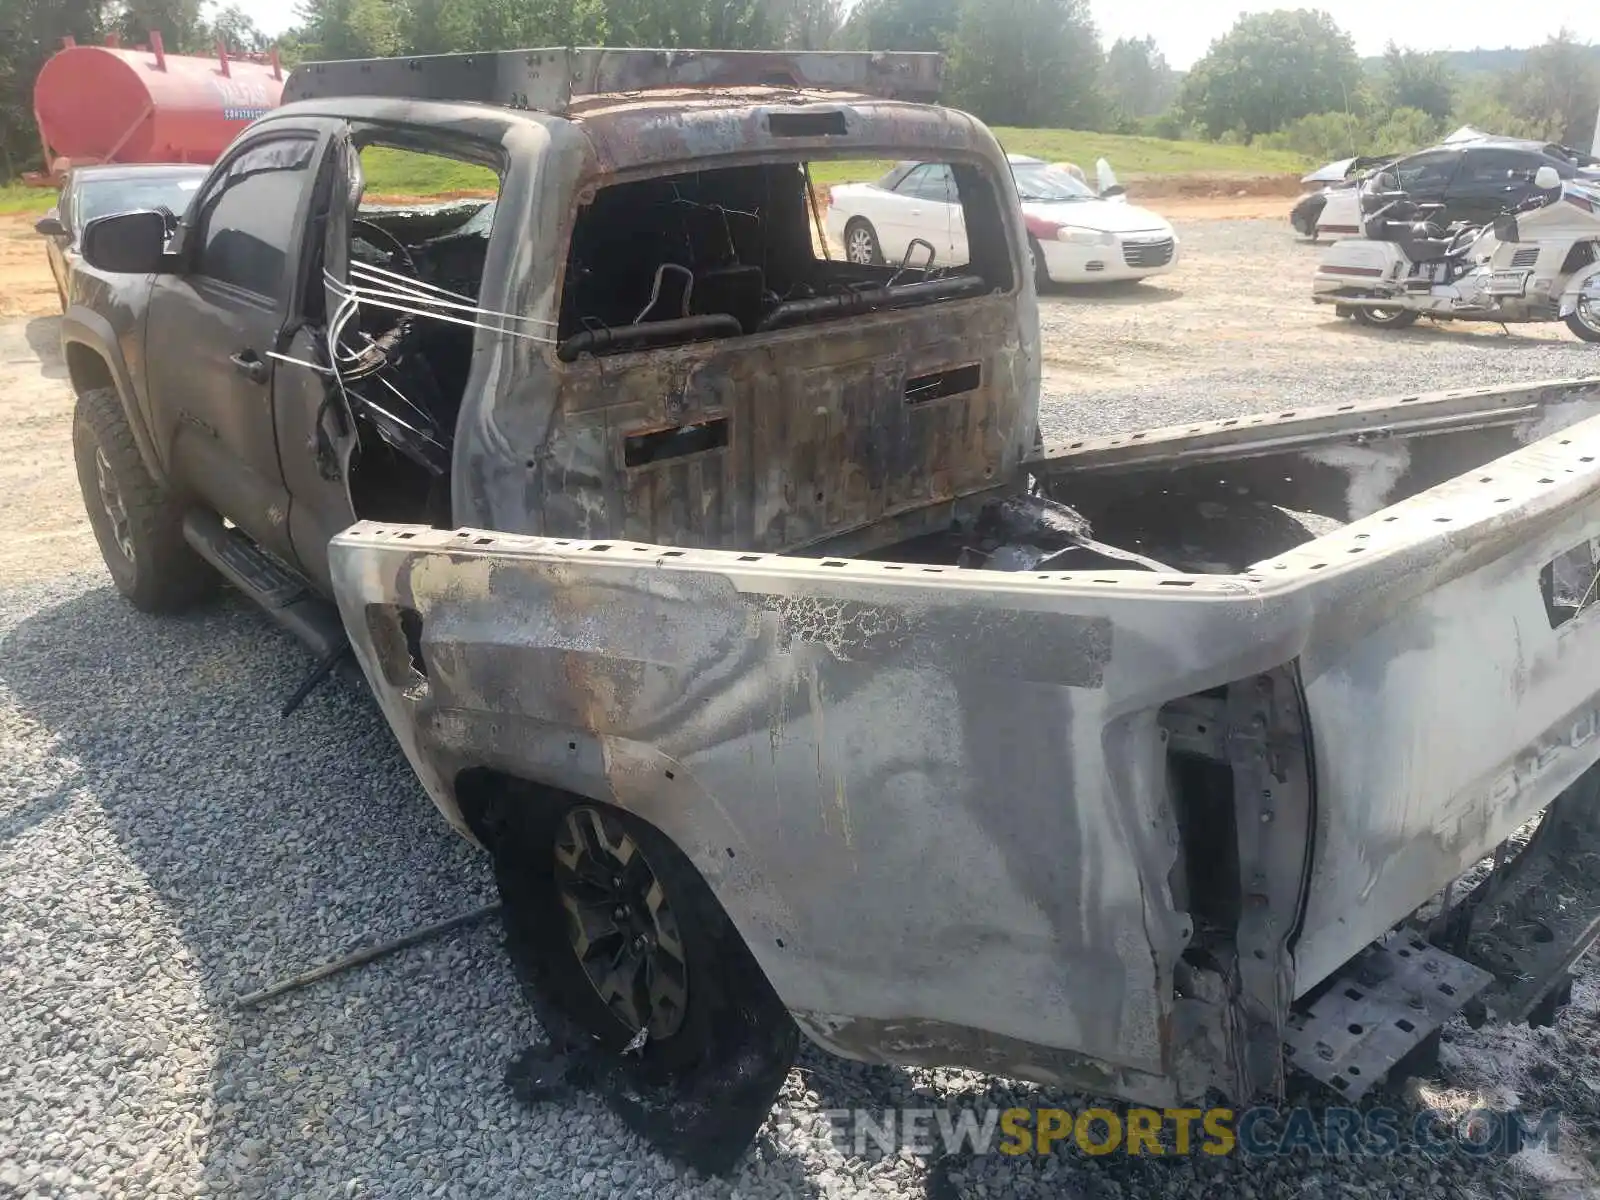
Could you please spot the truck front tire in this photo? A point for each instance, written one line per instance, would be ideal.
(137, 524)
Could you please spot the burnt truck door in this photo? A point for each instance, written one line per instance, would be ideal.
(214, 327)
(373, 438)
(314, 422)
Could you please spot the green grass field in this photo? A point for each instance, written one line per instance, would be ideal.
(397, 172)
(14, 198)
(1148, 156)
(400, 173)
(1130, 156)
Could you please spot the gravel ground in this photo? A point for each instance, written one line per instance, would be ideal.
(167, 843)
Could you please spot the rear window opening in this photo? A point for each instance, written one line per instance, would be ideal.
(740, 251)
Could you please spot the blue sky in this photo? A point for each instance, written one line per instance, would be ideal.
(1184, 28)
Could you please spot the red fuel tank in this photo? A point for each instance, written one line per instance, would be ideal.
(99, 104)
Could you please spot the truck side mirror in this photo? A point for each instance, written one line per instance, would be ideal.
(50, 226)
(1547, 179)
(132, 243)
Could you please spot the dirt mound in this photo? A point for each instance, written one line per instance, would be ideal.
(399, 198)
(1214, 186)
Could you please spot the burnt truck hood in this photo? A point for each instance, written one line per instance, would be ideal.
(933, 800)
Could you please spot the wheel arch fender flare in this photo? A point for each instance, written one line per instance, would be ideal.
(1585, 283)
(94, 360)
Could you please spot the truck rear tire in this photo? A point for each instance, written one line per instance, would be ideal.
(595, 897)
(137, 524)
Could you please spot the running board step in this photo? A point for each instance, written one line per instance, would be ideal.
(285, 595)
(1380, 1007)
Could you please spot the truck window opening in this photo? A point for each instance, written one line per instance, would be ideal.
(405, 372)
(737, 251)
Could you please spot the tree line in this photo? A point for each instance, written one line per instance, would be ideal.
(1292, 80)
(1289, 79)
(1017, 62)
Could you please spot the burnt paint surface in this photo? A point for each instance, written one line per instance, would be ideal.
(1344, 462)
(826, 444)
(821, 410)
(1442, 702)
(957, 855)
(750, 716)
(822, 439)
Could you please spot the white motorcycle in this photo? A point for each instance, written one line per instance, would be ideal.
(1539, 263)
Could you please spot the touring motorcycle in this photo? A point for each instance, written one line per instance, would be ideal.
(1537, 262)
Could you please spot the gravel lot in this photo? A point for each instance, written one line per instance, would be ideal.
(1233, 329)
(167, 843)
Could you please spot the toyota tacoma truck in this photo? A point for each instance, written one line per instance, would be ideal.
(725, 592)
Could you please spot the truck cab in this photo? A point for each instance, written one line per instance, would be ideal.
(641, 334)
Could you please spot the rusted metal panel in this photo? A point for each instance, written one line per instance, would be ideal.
(822, 437)
(654, 130)
(537, 441)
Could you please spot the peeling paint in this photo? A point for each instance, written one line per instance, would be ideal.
(1373, 470)
(951, 777)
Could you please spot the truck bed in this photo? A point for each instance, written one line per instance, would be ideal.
(947, 809)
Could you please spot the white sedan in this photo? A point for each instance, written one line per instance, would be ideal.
(1075, 234)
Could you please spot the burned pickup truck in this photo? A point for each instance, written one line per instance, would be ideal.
(726, 593)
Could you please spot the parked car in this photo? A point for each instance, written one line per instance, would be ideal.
(90, 192)
(1475, 181)
(1076, 234)
(1334, 177)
